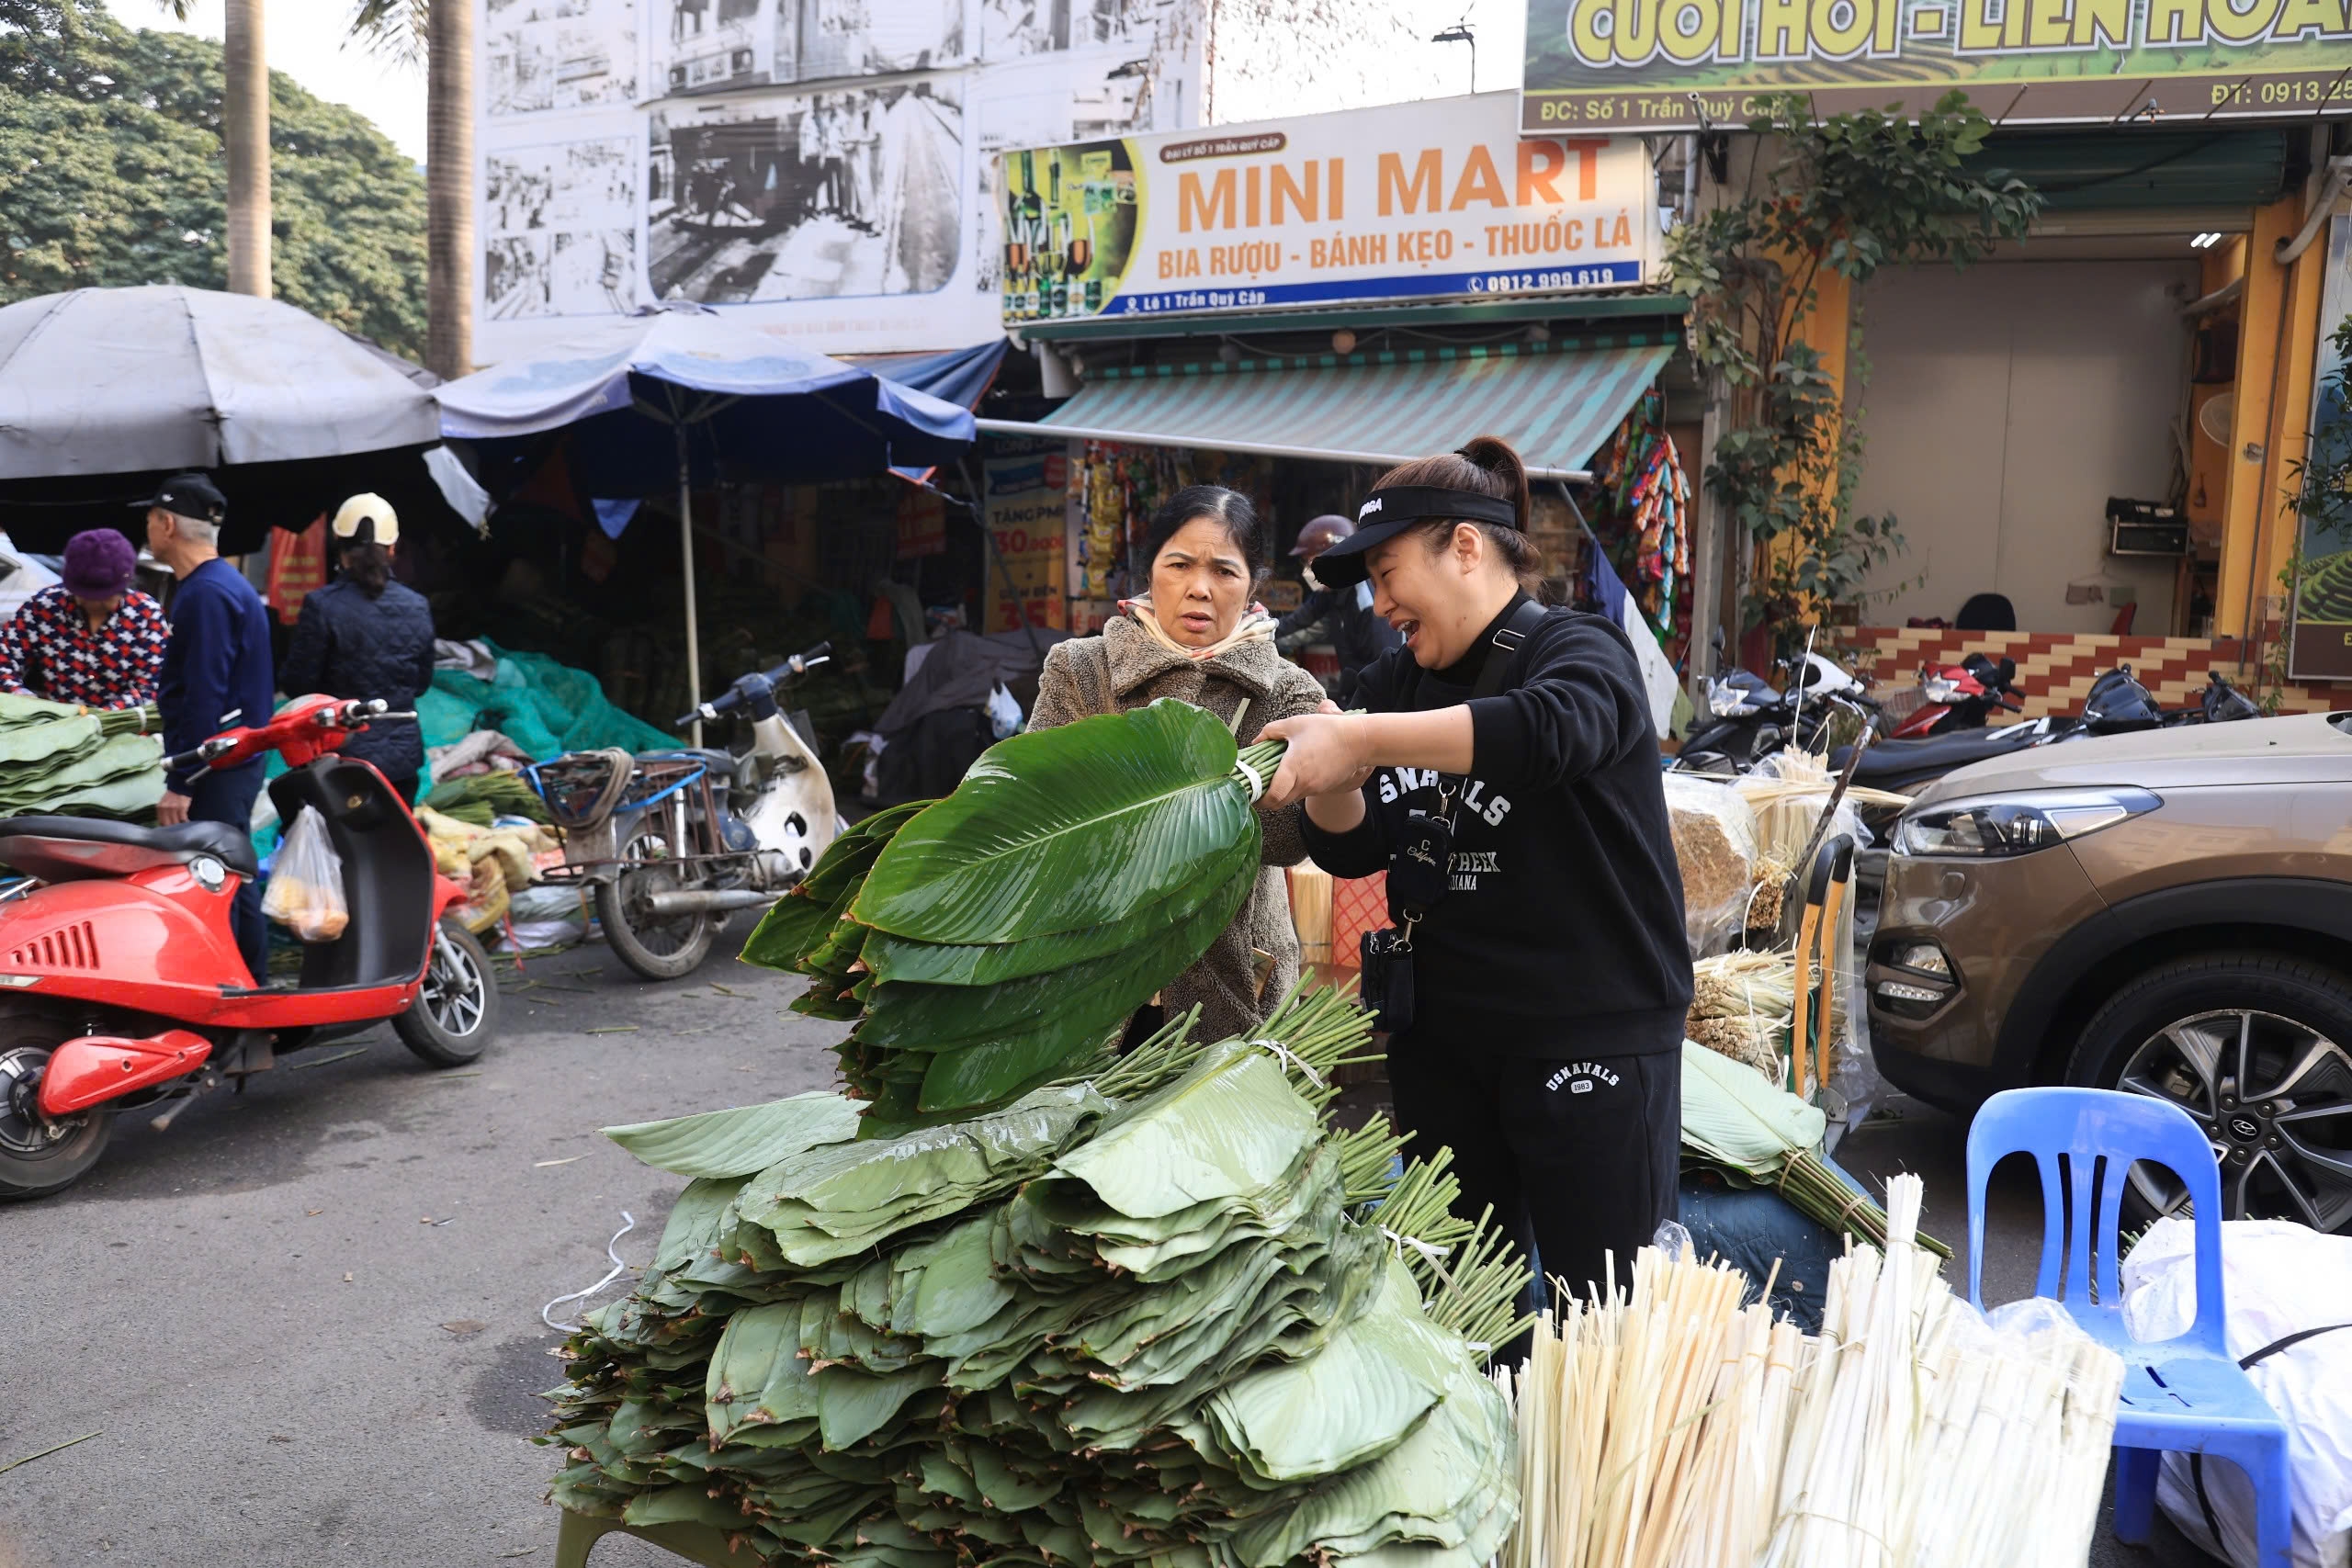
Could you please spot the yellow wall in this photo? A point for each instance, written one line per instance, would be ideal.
(1828, 331)
(2277, 336)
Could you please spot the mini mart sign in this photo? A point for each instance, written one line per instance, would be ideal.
(1414, 201)
(1657, 64)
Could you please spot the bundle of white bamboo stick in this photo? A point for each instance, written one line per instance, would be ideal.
(1670, 1427)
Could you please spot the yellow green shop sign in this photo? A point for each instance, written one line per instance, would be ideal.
(1685, 64)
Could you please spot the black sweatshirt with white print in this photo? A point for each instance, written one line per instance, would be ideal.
(1561, 933)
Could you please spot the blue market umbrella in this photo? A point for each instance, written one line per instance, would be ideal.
(677, 394)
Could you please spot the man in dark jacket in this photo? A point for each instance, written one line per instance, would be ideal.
(216, 676)
(363, 637)
(1357, 635)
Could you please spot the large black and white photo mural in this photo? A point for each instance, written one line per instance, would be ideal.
(815, 165)
(852, 192)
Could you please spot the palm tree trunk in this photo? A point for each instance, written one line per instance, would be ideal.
(449, 189)
(244, 132)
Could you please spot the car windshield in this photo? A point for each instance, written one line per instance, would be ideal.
(2342, 721)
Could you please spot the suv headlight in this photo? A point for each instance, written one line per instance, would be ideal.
(1998, 825)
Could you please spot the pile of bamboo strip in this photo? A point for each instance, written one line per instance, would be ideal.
(1671, 1427)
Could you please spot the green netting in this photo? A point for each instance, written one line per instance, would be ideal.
(544, 707)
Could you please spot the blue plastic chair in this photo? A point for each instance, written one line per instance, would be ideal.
(2183, 1395)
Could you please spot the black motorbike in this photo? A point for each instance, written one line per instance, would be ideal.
(2117, 704)
(1747, 719)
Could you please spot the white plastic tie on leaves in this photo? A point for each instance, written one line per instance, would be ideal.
(1288, 1060)
(628, 1224)
(1251, 777)
(1435, 1254)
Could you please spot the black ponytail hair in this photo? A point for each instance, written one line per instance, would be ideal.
(367, 565)
(1485, 465)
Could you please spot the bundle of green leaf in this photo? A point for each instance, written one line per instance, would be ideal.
(58, 758)
(1159, 1314)
(1761, 1136)
(480, 798)
(984, 940)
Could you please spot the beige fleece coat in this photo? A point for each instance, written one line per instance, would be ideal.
(1126, 668)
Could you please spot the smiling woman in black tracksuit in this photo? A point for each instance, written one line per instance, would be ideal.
(1550, 978)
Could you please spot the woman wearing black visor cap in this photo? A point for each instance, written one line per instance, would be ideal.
(1506, 775)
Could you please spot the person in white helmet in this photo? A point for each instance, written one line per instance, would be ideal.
(365, 635)
(1357, 635)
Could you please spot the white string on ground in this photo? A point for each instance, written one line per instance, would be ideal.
(628, 1224)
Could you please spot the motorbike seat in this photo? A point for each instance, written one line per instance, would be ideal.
(721, 763)
(68, 849)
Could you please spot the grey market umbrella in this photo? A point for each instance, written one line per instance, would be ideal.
(103, 391)
(102, 381)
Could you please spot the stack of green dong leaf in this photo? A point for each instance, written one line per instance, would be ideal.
(57, 758)
(984, 940)
(1160, 1314)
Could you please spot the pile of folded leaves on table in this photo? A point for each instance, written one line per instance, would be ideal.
(1156, 1310)
(77, 761)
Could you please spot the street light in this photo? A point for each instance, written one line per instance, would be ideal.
(1461, 32)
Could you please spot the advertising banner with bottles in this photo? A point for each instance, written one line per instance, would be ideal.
(1414, 201)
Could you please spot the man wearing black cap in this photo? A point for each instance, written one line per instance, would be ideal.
(216, 676)
(1356, 635)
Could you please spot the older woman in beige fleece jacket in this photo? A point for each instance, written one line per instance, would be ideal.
(1198, 637)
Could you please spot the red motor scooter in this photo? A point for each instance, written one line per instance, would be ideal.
(121, 985)
(1959, 696)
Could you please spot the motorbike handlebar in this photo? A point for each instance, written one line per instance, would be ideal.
(282, 731)
(726, 702)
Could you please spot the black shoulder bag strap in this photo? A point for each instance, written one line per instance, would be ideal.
(2197, 1460)
(1419, 868)
(1507, 641)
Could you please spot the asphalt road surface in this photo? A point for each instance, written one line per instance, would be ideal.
(304, 1326)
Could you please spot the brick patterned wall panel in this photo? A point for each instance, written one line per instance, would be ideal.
(2055, 669)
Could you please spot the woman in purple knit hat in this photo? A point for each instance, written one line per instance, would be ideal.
(93, 639)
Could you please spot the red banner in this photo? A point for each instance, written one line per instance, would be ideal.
(298, 563)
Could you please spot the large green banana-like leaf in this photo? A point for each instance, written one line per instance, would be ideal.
(803, 918)
(59, 737)
(932, 1018)
(118, 756)
(742, 1140)
(1731, 1112)
(1350, 1402)
(1063, 829)
(949, 963)
(128, 795)
(1229, 1127)
(1062, 1024)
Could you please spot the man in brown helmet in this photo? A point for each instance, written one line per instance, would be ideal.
(1357, 635)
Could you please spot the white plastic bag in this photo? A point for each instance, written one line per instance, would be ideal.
(1004, 711)
(1714, 844)
(306, 881)
(2278, 1278)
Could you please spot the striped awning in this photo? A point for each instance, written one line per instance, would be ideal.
(1556, 404)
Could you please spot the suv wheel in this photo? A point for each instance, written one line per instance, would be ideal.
(2258, 1049)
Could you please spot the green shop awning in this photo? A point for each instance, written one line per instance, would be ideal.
(1555, 403)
